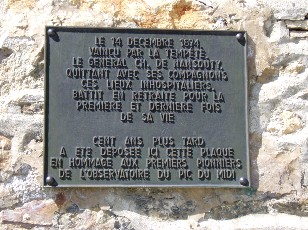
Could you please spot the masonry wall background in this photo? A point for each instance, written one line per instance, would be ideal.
(278, 106)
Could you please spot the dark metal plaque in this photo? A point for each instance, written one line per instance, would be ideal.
(145, 108)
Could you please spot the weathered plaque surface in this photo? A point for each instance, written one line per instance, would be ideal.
(145, 108)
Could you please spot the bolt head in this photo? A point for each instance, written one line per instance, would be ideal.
(239, 36)
(244, 181)
(51, 32)
(50, 180)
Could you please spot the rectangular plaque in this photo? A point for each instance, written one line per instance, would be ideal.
(145, 108)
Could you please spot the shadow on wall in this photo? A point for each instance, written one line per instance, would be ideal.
(255, 131)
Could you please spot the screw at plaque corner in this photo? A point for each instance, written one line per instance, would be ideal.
(239, 36)
(51, 32)
(244, 181)
(50, 181)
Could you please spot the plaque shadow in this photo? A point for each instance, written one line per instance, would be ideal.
(255, 136)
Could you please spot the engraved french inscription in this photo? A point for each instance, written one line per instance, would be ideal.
(145, 108)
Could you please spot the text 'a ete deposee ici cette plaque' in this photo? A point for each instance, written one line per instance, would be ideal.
(145, 108)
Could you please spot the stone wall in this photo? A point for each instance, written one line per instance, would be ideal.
(278, 130)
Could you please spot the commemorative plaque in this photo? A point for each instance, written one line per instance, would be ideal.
(145, 108)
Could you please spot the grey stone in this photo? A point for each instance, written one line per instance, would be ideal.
(299, 34)
(297, 24)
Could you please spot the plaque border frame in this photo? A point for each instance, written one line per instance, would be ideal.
(84, 29)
